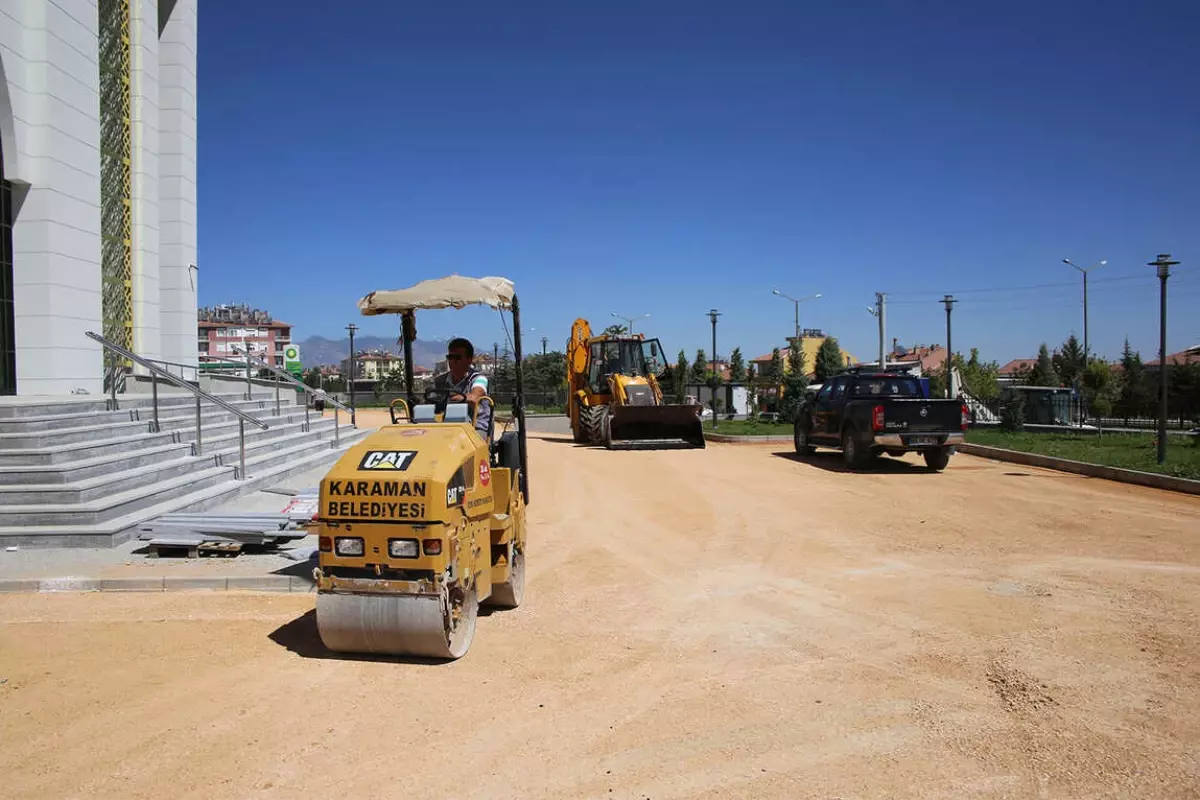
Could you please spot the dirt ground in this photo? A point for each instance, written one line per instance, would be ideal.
(723, 623)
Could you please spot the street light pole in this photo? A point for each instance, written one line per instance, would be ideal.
(1086, 352)
(712, 315)
(796, 309)
(352, 328)
(1163, 264)
(949, 301)
(629, 320)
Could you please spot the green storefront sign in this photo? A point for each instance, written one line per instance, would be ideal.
(291, 360)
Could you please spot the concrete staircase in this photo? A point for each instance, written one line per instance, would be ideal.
(75, 474)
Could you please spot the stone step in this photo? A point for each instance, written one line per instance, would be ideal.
(61, 454)
(221, 430)
(90, 467)
(111, 506)
(143, 416)
(114, 482)
(120, 529)
(35, 407)
(214, 416)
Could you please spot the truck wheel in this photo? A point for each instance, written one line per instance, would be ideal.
(937, 460)
(852, 450)
(800, 439)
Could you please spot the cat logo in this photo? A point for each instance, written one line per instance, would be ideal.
(387, 459)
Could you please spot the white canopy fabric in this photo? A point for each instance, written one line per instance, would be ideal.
(455, 291)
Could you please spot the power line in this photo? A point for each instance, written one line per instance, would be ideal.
(1026, 288)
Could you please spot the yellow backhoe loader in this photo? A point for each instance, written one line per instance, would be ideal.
(615, 399)
(424, 520)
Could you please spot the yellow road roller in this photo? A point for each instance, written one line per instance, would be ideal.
(424, 520)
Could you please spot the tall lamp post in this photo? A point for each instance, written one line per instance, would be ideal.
(352, 328)
(796, 308)
(1084, 272)
(629, 320)
(712, 315)
(1163, 265)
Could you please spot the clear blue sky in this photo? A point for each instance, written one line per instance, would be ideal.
(668, 157)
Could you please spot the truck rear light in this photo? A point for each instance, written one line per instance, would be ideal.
(877, 418)
(966, 416)
(325, 543)
(433, 547)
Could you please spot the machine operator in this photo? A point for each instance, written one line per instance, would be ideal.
(463, 383)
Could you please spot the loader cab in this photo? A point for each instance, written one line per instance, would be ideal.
(638, 358)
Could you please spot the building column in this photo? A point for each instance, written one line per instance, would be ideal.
(50, 54)
(144, 52)
(177, 180)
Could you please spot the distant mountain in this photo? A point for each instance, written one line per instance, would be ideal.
(316, 351)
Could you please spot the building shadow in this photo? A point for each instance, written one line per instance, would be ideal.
(831, 461)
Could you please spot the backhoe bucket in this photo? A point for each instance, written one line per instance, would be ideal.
(654, 427)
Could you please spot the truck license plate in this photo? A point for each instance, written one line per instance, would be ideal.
(917, 441)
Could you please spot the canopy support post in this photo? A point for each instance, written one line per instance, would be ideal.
(519, 399)
(408, 332)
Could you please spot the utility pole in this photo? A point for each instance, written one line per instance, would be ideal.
(949, 301)
(712, 315)
(544, 340)
(1085, 272)
(1163, 263)
(353, 364)
(880, 312)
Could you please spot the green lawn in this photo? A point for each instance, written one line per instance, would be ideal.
(1124, 450)
(743, 427)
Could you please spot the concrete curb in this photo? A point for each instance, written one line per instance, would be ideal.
(169, 583)
(1151, 479)
(725, 438)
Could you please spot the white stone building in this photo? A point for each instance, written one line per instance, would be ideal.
(98, 187)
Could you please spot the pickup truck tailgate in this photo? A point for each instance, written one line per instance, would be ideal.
(922, 416)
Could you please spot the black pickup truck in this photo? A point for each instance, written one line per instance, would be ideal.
(866, 414)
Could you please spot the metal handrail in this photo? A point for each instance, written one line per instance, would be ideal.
(287, 376)
(278, 373)
(157, 372)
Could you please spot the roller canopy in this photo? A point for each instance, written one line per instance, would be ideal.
(455, 291)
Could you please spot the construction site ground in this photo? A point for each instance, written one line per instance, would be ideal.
(730, 622)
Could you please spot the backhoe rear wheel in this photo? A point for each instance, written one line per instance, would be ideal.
(594, 419)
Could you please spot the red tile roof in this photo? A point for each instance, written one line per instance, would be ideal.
(1017, 365)
(1189, 356)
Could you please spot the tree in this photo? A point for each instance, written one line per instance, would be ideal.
(681, 376)
(796, 359)
(773, 373)
(751, 374)
(546, 374)
(1043, 371)
(1069, 362)
(829, 360)
(312, 377)
(1012, 413)
(794, 384)
(737, 366)
(1099, 388)
(1183, 390)
(700, 368)
(980, 380)
(615, 330)
(1133, 398)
